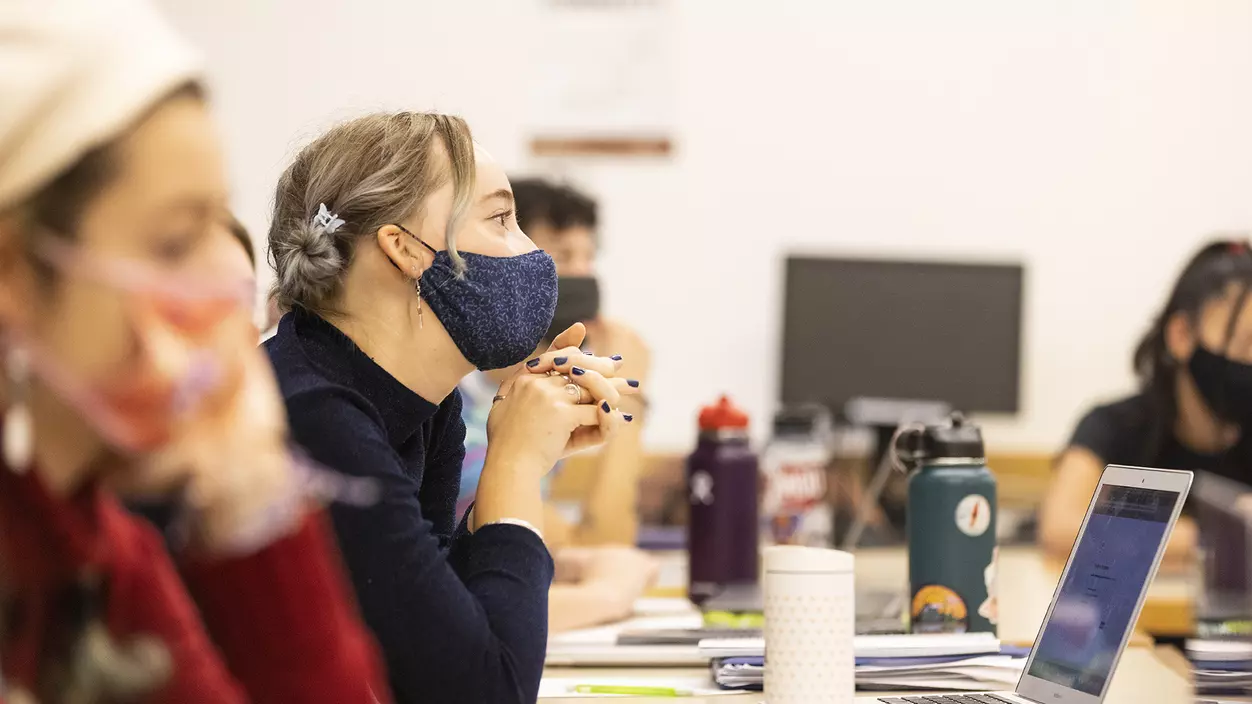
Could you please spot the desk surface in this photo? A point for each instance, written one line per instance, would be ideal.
(1027, 581)
(1140, 678)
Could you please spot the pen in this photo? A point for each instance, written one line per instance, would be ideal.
(633, 691)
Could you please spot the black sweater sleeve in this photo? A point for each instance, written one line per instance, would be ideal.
(470, 627)
(441, 481)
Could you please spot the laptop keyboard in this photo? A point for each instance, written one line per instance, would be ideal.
(949, 699)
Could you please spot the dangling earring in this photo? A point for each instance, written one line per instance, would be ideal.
(19, 430)
(417, 286)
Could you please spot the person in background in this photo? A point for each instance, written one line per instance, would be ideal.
(397, 250)
(598, 572)
(562, 222)
(1193, 410)
(270, 313)
(130, 364)
(240, 234)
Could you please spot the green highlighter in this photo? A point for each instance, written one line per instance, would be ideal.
(734, 619)
(632, 691)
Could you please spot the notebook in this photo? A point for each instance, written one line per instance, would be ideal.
(967, 672)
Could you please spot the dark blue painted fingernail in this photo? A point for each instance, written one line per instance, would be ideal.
(628, 417)
(560, 360)
(533, 363)
(604, 406)
(616, 358)
(577, 371)
(632, 383)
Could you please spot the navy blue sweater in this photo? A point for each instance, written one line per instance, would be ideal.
(460, 617)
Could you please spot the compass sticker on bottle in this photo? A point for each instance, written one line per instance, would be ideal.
(973, 515)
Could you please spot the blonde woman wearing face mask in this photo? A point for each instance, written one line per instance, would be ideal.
(130, 363)
(396, 248)
(599, 576)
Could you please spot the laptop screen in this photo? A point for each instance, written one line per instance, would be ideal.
(1083, 636)
(1225, 606)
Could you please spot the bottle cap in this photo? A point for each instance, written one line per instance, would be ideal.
(722, 415)
(798, 558)
(957, 438)
(799, 420)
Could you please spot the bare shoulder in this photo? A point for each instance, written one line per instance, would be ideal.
(624, 340)
(617, 329)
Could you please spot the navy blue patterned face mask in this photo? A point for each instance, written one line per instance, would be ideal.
(498, 309)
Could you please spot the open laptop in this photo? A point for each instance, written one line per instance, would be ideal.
(1225, 605)
(1098, 598)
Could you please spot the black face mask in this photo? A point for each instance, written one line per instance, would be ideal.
(1224, 384)
(577, 301)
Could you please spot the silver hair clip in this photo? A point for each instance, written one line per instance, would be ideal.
(326, 220)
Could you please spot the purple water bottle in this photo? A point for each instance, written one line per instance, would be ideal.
(722, 539)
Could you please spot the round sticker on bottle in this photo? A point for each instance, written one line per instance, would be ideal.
(973, 515)
(938, 609)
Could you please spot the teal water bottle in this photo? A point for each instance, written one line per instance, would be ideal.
(951, 527)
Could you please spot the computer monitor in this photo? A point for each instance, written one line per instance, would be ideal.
(902, 330)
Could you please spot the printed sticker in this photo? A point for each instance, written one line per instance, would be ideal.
(990, 609)
(973, 515)
(701, 489)
(937, 609)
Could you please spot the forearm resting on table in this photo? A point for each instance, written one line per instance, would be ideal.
(506, 492)
(610, 515)
(1181, 550)
(1065, 507)
(585, 604)
(1057, 537)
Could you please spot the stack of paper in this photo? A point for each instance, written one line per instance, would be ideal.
(874, 646)
(957, 673)
(1221, 666)
(1209, 681)
(597, 647)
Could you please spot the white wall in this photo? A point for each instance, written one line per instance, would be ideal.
(1097, 142)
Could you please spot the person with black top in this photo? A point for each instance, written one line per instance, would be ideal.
(398, 254)
(1193, 410)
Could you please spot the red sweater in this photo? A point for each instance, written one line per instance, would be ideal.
(281, 619)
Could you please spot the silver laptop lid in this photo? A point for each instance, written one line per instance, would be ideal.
(1101, 591)
(1225, 604)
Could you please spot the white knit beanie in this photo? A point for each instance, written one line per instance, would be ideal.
(74, 74)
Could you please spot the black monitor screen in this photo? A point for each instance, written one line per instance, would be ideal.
(902, 330)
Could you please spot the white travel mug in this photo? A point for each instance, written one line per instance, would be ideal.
(810, 626)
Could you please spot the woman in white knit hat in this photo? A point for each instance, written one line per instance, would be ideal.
(130, 363)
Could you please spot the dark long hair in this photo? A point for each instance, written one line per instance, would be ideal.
(1205, 278)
